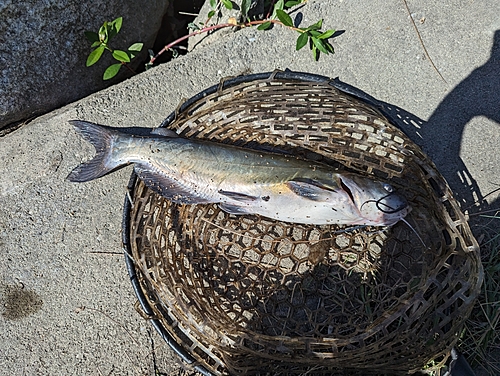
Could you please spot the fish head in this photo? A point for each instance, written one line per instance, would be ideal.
(377, 202)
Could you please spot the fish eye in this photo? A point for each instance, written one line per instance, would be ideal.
(388, 188)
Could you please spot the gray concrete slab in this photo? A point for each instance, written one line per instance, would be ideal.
(67, 304)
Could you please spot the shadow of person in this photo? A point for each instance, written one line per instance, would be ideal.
(477, 95)
(441, 136)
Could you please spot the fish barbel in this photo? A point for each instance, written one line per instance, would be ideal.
(241, 180)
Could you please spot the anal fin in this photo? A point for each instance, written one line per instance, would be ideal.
(167, 186)
(165, 132)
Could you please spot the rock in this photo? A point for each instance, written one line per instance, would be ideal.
(44, 50)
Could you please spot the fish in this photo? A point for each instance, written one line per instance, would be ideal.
(241, 181)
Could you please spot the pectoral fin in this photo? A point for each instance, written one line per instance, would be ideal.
(167, 186)
(241, 197)
(242, 204)
(311, 189)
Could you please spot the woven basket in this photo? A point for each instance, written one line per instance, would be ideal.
(249, 295)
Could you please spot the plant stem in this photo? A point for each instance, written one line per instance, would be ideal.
(216, 27)
(217, 8)
(270, 9)
(177, 41)
(128, 67)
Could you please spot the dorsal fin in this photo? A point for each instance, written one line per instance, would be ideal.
(161, 131)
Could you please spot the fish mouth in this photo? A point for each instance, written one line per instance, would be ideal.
(391, 208)
(376, 204)
(385, 208)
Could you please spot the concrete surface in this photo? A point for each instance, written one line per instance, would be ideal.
(66, 301)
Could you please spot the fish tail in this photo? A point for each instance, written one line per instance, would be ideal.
(102, 138)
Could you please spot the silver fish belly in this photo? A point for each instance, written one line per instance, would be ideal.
(240, 180)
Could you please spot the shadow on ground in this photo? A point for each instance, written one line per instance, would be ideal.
(442, 135)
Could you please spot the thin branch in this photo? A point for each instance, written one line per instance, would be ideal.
(128, 67)
(422, 42)
(83, 308)
(201, 31)
(270, 9)
(216, 27)
(105, 253)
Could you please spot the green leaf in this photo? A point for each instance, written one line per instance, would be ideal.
(95, 56)
(136, 47)
(245, 7)
(316, 26)
(319, 24)
(117, 23)
(319, 45)
(211, 13)
(315, 52)
(212, 4)
(121, 56)
(284, 18)
(327, 34)
(264, 26)
(280, 4)
(92, 36)
(111, 71)
(114, 27)
(193, 26)
(301, 41)
(95, 44)
(314, 33)
(292, 3)
(134, 50)
(228, 4)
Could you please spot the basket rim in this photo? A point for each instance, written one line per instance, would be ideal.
(127, 209)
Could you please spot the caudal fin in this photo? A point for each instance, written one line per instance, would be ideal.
(102, 139)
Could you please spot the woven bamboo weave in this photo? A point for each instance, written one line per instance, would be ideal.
(249, 295)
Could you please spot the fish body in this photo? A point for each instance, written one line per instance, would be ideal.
(240, 180)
